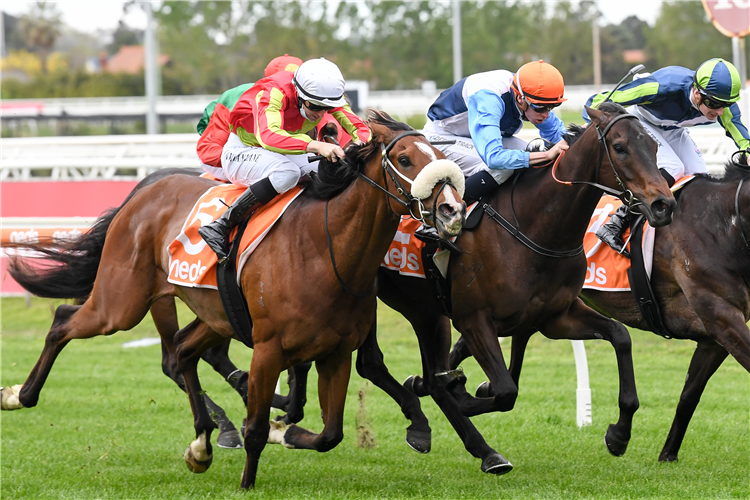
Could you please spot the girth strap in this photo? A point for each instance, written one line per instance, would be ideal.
(494, 215)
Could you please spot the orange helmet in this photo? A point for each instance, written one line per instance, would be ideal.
(539, 83)
(282, 63)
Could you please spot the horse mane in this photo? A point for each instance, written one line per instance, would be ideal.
(733, 172)
(576, 131)
(333, 178)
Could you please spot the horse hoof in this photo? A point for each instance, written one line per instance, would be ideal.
(615, 445)
(242, 427)
(9, 398)
(413, 384)
(668, 458)
(229, 439)
(484, 390)
(496, 464)
(419, 441)
(196, 466)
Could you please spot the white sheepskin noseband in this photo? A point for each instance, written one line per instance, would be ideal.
(435, 172)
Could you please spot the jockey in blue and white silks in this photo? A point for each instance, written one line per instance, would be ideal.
(667, 102)
(673, 98)
(483, 112)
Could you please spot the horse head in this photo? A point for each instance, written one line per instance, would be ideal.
(627, 163)
(428, 186)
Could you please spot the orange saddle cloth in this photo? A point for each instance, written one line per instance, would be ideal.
(607, 270)
(192, 262)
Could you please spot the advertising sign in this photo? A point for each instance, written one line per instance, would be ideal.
(731, 17)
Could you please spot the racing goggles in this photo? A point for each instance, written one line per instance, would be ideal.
(542, 108)
(712, 103)
(314, 107)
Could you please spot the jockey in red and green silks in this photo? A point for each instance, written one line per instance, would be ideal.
(265, 151)
(214, 129)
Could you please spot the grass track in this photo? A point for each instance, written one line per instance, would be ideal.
(110, 425)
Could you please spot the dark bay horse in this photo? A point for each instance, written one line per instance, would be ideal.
(701, 279)
(309, 287)
(499, 286)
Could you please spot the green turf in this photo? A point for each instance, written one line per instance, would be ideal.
(110, 425)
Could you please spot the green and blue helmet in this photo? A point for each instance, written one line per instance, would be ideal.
(718, 79)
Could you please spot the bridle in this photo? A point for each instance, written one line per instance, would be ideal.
(389, 170)
(625, 194)
(547, 252)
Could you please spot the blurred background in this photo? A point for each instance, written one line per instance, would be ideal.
(79, 49)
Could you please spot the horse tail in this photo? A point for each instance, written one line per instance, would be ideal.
(67, 269)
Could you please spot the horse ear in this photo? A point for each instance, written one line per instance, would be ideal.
(594, 114)
(379, 132)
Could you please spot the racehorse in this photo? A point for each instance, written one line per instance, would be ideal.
(503, 285)
(309, 287)
(701, 280)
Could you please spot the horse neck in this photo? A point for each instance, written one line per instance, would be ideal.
(560, 220)
(361, 224)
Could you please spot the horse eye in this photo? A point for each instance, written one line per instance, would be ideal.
(619, 149)
(404, 161)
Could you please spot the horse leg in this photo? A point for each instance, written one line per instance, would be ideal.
(99, 315)
(433, 333)
(459, 353)
(371, 365)
(707, 358)
(294, 402)
(190, 343)
(481, 338)
(333, 380)
(517, 351)
(265, 368)
(164, 314)
(582, 323)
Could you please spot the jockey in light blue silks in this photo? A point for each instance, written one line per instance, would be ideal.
(667, 102)
(483, 112)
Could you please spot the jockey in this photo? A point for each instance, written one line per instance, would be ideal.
(489, 109)
(667, 102)
(214, 125)
(267, 142)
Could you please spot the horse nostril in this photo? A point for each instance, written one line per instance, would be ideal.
(447, 210)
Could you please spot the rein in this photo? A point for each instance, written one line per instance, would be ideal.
(390, 169)
(737, 211)
(603, 147)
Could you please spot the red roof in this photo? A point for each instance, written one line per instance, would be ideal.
(130, 59)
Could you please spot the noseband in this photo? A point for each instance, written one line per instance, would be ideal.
(625, 195)
(391, 171)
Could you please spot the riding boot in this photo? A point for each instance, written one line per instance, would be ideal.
(216, 234)
(611, 232)
(478, 185)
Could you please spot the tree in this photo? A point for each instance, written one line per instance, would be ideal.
(40, 28)
(683, 35)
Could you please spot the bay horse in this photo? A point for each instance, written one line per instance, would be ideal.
(701, 281)
(309, 287)
(501, 287)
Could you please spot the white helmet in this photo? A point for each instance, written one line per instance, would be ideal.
(320, 82)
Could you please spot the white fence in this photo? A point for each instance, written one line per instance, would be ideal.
(130, 157)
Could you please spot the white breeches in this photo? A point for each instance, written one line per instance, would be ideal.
(246, 165)
(677, 153)
(465, 154)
